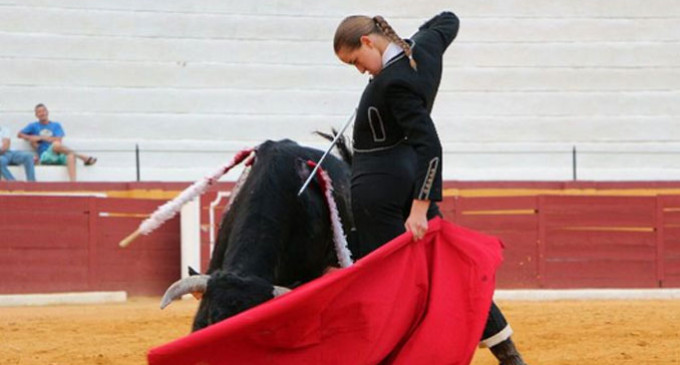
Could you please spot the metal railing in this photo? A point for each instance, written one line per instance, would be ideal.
(580, 158)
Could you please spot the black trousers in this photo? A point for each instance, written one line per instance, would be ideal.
(383, 186)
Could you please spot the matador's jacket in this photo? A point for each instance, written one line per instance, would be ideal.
(397, 150)
(395, 106)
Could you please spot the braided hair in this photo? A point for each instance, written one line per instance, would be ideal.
(352, 28)
(389, 32)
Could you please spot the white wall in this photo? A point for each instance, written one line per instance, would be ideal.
(524, 82)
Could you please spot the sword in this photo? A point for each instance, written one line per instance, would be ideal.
(318, 164)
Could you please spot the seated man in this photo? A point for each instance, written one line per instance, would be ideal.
(45, 136)
(9, 157)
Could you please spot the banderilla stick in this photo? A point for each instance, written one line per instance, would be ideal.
(127, 240)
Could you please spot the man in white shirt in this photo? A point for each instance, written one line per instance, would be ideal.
(9, 157)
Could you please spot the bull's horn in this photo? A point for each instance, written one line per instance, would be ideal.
(280, 290)
(191, 284)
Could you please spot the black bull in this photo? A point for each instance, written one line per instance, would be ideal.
(270, 238)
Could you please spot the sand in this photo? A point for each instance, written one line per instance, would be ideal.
(563, 332)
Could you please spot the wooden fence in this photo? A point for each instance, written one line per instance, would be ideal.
(56, 244)
(70, 243)
(554, 241)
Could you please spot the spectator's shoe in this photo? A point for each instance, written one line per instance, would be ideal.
(90, 161)
(507, 353)
(36, 160)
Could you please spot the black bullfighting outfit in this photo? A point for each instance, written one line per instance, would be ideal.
(397, 153)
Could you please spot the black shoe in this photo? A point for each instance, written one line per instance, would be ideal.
(507, 353)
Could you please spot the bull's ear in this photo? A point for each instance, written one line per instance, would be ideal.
(192, 272)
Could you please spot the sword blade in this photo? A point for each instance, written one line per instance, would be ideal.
(318, 164)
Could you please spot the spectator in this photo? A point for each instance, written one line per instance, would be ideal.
(46, 137)
(9, 157)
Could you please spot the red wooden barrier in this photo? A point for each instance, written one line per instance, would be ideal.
(668, 241)
(43, 244)
(514, 221)
(147, 266)
(53, 244)
(57, 244)
(597, 241)
(579, 241)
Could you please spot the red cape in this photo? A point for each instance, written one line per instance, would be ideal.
(423, 302)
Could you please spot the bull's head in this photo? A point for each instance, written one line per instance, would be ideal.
(223, 295)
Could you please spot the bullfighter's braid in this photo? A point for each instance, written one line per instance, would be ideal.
(389, 32)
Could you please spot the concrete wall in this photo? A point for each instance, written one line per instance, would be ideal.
(524, 83)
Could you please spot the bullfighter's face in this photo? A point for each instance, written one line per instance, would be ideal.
(368, 57)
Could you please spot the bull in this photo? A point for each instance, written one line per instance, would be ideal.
(270, 239)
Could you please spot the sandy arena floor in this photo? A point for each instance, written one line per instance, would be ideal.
(588, 332)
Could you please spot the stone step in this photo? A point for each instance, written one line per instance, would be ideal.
(229, 102)
(319, 53)
(172, 78)
(478, 25)
(505, 8)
